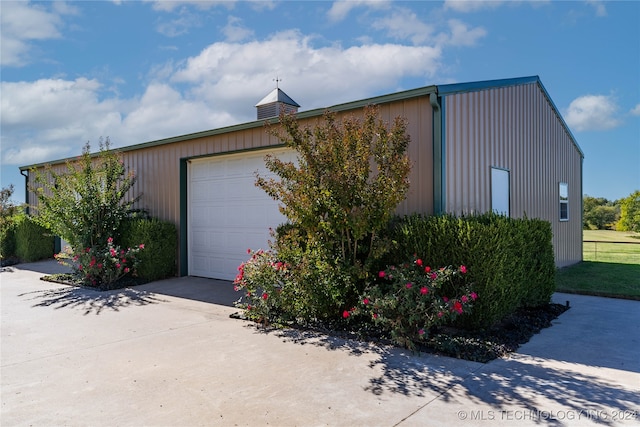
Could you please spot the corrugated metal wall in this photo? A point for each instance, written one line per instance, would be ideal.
(158, 171)
(158, 166)
(513, 128)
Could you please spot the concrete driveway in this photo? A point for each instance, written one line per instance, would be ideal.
(168, 354)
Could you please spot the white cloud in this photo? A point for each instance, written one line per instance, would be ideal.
(52, 118)
(163, 112)
(171, 5)
(234, 31)
(178, 26)
(341, 8)
(404, 24)
(46, 116)
(238, 74)
(592, 112)
(635, 111)
(471, 5)
(21, 23)
(461, 35)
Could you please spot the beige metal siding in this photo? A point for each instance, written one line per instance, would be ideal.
(158, 166)
(517, 129)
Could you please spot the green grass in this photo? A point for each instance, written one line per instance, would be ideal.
(609, 269)
(611, 247)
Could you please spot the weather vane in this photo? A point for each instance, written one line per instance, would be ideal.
(277, 79)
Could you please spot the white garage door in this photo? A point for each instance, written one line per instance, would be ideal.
(227, 213)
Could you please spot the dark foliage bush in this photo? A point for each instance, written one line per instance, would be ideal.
(510, 261)
(8, 241)
(32, 241)
(160, 239)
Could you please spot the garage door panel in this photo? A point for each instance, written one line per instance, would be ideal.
(227, 213)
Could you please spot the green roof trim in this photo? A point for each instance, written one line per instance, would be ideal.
(449, 89)
(423, 91)
(485, 84)
(440, 90)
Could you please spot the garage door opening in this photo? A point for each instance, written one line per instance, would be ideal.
(227, 214)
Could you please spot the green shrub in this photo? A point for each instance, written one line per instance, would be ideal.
(101, 266)
(511, 261)
(33, 242)
(8, 241)
(160, 240)
(293, 282)
(410, 299)
(86, 204)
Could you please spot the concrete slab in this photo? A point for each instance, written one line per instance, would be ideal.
(167, 354)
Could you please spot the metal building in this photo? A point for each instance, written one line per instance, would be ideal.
(497, 145)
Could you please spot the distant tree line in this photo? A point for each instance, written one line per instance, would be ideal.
(603, 214)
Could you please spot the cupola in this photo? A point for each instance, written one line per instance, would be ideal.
(275, 103)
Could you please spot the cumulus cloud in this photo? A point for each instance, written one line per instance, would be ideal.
(171, 5)
(52, 118)
(341, 8)
(635, 111)
(232, 73)
(404, 24)
(462, 35)
(471, 5)
(234, 31)
(41, 118)
(592, 112)
(22, 23)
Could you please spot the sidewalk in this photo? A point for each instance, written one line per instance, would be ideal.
(167, 354)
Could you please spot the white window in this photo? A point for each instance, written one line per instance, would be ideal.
(500, 191)
(563, 190)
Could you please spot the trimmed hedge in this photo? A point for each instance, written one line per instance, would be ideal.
(33, 242)
(510, 261)
(8, 241)
(160, 239)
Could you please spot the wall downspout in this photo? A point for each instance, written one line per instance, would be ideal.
(438, 153)
(26, 190)
(183, 246)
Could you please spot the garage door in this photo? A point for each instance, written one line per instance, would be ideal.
(227, 213)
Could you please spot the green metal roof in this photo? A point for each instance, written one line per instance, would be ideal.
(440, 90)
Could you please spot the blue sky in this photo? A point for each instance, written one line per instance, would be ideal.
(138, 71)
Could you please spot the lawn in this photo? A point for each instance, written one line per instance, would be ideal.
(609, 268)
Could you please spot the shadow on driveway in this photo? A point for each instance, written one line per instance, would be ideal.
(93, 302)
(532, 385)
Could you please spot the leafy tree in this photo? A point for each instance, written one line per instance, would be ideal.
(7, 208)
(349, 176)
(8, 216)
(599, 213)
(630, 213)
(85, 205)
(348, 180)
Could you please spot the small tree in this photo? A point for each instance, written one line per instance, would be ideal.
(349, 178)
(8, 215)
(630, 213)
(599, 213)
(85, 205)
(8, 209)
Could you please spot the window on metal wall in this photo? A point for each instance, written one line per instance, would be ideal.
(563, 190)
(500, 191)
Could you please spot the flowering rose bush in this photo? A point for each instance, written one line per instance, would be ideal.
(407, 301)
(262, 279)
(101, 266)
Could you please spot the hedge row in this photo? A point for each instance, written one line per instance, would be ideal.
(160, 239)
(510, 261)
(26, 240)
